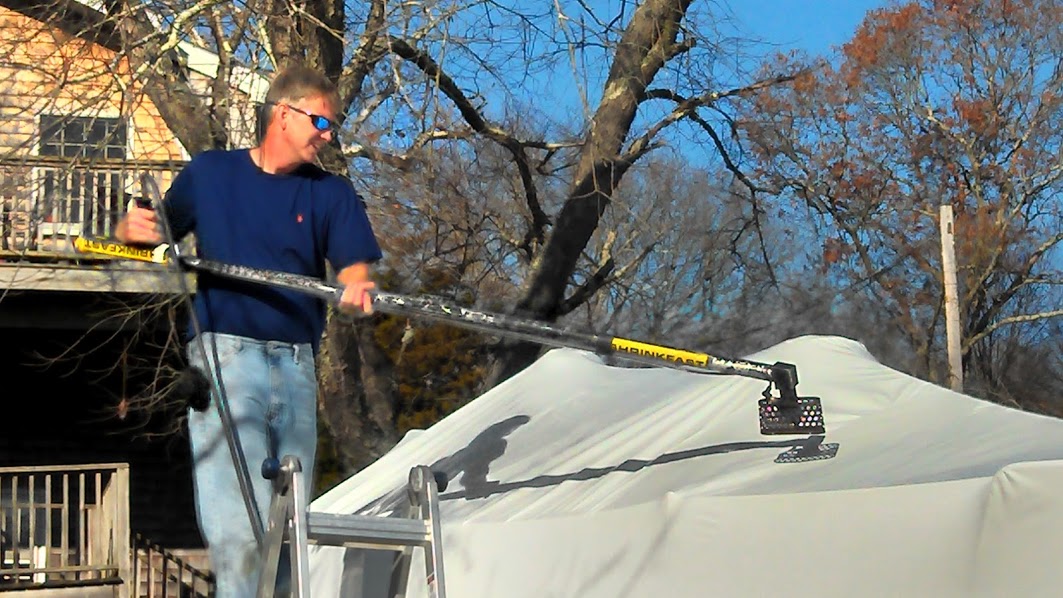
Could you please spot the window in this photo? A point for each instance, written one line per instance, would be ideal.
(82, 136)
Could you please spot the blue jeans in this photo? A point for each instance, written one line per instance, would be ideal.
(271, 391)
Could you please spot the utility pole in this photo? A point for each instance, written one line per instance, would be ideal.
(952, 301)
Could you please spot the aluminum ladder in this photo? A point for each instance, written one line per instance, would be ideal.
(291, 521)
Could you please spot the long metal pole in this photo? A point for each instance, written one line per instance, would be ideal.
(783, 375)
(493, 323)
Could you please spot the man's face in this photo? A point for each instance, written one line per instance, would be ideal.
(299, 119)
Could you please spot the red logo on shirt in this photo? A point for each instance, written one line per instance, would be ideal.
(298, 217)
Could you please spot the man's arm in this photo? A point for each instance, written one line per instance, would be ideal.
(357, 282)
(141, 225)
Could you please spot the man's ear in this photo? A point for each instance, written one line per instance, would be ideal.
(262, 114)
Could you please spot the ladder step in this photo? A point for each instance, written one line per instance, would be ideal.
(366, 532)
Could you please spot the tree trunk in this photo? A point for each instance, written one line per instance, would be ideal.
(647, 44)
(165, 81)
(356, 392)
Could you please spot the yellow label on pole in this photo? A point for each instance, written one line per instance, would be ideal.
(658, 352)
(156, 255)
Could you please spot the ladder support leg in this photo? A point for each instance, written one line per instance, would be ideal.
(300, 539)
(423, 486)
(280, 511)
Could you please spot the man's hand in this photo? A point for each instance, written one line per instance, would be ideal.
(139, 226)
(356, 298)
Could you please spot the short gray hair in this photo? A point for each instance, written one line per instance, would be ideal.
(297, 82)
(292, 84)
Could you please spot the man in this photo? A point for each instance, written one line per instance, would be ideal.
(265, 207)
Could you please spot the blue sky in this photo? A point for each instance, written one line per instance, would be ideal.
(816, 26)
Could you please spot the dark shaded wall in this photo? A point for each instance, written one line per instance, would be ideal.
(65, 413)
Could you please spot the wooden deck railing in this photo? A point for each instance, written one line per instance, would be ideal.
(159, 573)
(45, 202)
(65, 526)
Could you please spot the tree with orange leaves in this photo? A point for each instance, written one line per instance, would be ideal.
(933, 102)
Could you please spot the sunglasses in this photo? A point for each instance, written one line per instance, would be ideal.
(320, 123)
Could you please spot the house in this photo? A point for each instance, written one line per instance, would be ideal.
(77, 133)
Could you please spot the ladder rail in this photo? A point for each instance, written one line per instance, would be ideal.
(300, 558)
(427, 493)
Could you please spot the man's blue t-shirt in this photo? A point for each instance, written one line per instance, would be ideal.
(291, 223)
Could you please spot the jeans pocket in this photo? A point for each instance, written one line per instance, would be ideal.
(221, 347)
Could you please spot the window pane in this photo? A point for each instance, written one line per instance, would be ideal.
(50, 149)
(74, 133)
(98, 133)
(82, 136)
